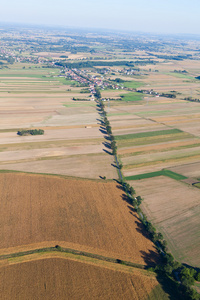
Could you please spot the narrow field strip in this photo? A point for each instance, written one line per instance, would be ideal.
(153, 139)
(164, 172)
(75, 252)
(155, 162)
(161, 147)
(147, 134)
(49, 144)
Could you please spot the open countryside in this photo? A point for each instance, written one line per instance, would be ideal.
(99, 166)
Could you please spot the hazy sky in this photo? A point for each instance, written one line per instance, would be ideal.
(162, 16)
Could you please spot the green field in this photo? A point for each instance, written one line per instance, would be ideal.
(134, 96)
(179, 75)
(132, 84)
(65, 81)
(146, 134)
(164, 172)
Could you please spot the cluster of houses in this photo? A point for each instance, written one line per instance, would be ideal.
(149, 92)
(83, 77)
(76, 75)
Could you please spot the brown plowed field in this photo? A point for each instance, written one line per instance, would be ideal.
(90, 215)
(188, 170)
(57, 278)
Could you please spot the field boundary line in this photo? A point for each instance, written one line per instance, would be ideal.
(57, 248)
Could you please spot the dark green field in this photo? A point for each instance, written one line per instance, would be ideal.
(164, 172)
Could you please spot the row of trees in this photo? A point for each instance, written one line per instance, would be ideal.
(182, 277)
(192, 99)
(91, 64)
(31, 132)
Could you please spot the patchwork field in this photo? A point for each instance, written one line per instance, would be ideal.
(64, 278)
(38, 98)
(147, 143)
(174, 208)
(39, 211)
(161, 136)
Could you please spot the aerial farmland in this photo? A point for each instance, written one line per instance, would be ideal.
(81, 218)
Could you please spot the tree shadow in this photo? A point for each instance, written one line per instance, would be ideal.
(120, 187)
(133, 210)
(107, 138)
(113, 165)
(169, 286)
(142, 230)
(151, 258)
(103, 131)
(126, 198)
(118, 181)
(108, 152)
(107, 145)
(100, 121)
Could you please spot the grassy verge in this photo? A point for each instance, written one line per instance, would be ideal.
(163, 172)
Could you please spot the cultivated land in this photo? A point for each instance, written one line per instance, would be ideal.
(36, 98)
(39, 211)
(159, 134)
(174, 208)
(48, 83)
(76, 280)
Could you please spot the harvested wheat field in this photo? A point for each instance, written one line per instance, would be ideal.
(60, 278)
(174, 207)
(80, 214)
(92, 165)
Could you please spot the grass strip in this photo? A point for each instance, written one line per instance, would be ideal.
(163, 172)
(57, 248)
(146, 134)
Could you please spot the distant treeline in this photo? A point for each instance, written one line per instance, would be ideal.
(176, 57)
(168, 95)
(80, 99)
(31, 132)
(91, 64)
(192, 99)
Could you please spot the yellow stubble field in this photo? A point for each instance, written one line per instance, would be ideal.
(40, 210)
